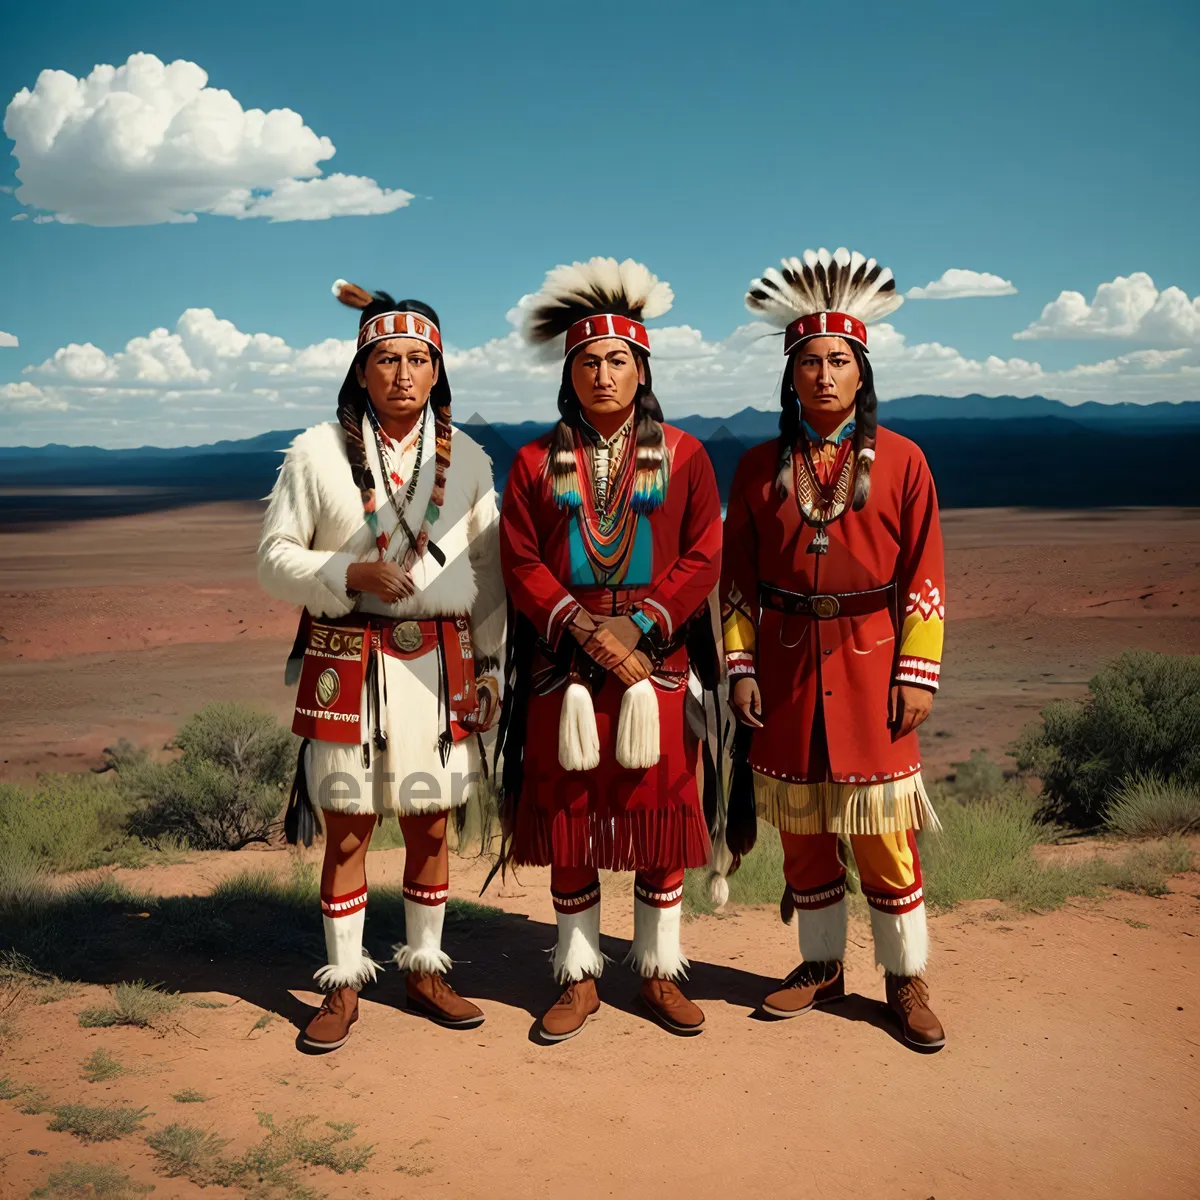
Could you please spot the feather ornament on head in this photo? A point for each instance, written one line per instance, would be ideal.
(599, 298)
(822, 293)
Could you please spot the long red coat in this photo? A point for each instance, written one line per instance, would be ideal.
(611, 817)
(835, 674)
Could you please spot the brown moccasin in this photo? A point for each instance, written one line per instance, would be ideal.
(671, 1008)
(810, 984)
(331, 1026)
(570, 1011)
(431, 996)
(908, 998)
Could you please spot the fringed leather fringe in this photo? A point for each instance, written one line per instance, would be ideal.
(633, 841)
(845, 808)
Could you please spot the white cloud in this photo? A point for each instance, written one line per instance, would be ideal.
(1129, 306)
(958, 283)
(8, 340)
(149, 142)
(206, 379)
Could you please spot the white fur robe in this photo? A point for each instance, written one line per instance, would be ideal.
(313, 530)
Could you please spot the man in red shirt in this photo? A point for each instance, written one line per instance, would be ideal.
(832, 590)
(610, 535)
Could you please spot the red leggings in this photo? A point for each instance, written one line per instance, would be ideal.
(569, 880)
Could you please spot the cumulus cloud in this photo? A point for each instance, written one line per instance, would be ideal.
(8, 340)
(1130, 306)
(957, 283)
(149, 142)
(206, 379)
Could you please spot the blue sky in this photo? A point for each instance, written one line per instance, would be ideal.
(1051, 145)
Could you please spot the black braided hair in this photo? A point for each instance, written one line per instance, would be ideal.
(352, 399)
(866, 422)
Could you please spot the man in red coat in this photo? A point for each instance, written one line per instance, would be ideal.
(610, 534)
(833, 609)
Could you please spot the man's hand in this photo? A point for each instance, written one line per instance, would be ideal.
(612, 642)
(387, 580)
(633, 669)
(747, 701)
(909, 706)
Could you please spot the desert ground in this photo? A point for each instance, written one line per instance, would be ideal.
(123, 627)
(1073, 1062)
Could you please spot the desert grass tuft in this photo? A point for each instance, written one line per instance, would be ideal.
(97, 1123)
(9, 1090)
(266, 1170)
(189, 1096)
(984, 852)
(1146, 805)
(100, 1066)
(34, 1101)
(17, 973)
(95, 1181)
(190, 1152)
(137, 1003)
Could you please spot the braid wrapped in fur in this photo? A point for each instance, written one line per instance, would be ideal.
(573, 293)
(842, 283)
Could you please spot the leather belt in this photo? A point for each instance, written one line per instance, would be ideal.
(824, 606)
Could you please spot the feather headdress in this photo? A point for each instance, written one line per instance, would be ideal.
(839, 293)
(556, 319)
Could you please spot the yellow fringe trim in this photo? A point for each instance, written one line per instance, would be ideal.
(845, 808)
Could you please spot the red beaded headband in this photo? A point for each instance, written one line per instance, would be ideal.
(399, 324)
(834, 324)
(607, 325)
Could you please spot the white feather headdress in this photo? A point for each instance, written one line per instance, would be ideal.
(574, 292)
(841, 282)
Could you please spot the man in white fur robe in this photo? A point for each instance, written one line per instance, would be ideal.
(383, 526)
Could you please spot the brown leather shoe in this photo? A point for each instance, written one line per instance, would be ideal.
(908, 998)
(810, 984)
(571, 1010)
(671, 1008)
(331, 1026)
(431, 996)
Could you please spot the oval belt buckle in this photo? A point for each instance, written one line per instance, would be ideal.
(825, 607)
(407, 636)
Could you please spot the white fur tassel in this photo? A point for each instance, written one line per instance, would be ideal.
(637, 728)
(578, 740)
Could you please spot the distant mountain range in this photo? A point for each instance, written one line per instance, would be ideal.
(984, 451)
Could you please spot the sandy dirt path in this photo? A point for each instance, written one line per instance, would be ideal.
(123, 627)
(1072, 1068)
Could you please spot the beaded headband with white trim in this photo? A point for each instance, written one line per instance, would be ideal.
(396, 323)
(822, 293)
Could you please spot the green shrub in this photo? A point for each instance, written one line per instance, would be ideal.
(1150, 806)
(189, 1096)
(226, 789)
(95, 1181)
(1141, 715)
(96, 1123)
(979, 778)
(267, 1169)
(64, 822)
(985, 852)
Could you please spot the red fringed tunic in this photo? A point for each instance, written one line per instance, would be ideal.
(611, 817)
(835, 674)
